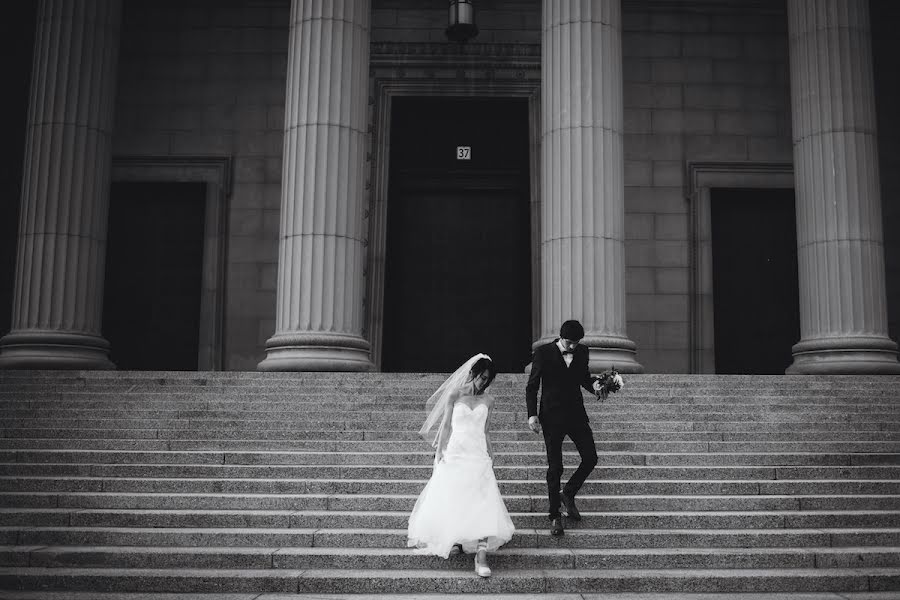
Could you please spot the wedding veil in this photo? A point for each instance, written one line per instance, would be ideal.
(437, 404)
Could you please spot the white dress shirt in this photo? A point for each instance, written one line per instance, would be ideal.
(566, 357)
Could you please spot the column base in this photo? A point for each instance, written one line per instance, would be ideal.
(54, 350)
(845, 356)
(316, 352)
(606, 352)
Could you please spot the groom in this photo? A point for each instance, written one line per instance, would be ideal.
(560, 369)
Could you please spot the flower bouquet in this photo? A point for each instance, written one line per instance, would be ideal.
(608, 382)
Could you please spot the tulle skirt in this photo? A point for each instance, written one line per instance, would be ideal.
(461, 504)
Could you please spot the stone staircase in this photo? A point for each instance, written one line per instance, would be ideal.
(248, 486)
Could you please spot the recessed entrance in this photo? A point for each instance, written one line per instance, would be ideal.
(755, 282)
(16, 47)
(458, 251)
(151, 306)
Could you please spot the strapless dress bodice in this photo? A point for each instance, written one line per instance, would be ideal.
(467, 440)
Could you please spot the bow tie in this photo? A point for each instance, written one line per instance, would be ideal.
(566, 352)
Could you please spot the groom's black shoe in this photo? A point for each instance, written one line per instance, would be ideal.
(556, 526)
(569, 504)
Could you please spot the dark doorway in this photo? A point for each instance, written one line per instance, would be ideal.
(755, 285)
(458, 263)
(17, 31)
(151, 306)
(885, 19)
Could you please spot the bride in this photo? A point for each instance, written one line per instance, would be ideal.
(460, 508)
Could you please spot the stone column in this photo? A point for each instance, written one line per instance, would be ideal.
(582, 178)
(319, 314)
(58, 297)
(843, 313)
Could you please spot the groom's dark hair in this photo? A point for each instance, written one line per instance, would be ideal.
(481, 365)
(571, 330)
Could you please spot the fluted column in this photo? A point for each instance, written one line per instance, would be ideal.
(319, 314)
(58, 297)
(582, 178)
(843, 313)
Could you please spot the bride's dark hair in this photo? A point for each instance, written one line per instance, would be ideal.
(481, 365)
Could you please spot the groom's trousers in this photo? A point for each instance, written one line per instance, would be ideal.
(583, 438)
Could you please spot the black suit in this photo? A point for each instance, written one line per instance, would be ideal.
(562, 413)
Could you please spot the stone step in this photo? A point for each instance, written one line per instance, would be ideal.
(169, 557)
(396, 486)
(412, 396)
(503, 392)
(31, 462)
(370, 519)
(416, 396)
(415, 402)
(286, 440)
(871, 422)
(45, 595)
(227, 436)
(423, 472)
(411, 405)
(247, 377)
(778, 477)
(173, 419)
(634, 386)
(531, 459)
(397, 420)
(535, 445)
(424, 581)
(396, 538)
(234, 378)
(192, 406)
(403, 430)
(49, 595)
(412, 400)
(400, 502)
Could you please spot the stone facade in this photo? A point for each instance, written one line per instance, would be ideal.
(699, 87)
(702, 83)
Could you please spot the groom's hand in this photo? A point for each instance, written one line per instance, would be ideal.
(534, 424)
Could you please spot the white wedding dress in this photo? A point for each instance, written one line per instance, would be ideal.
(461, 503)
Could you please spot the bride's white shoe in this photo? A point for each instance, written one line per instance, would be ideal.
(481, 567)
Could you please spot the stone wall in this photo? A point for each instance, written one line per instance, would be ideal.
(207, 78)
(698, 87)
(202, 78)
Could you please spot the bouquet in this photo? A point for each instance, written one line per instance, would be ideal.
(608, 382)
